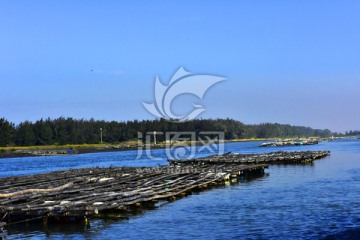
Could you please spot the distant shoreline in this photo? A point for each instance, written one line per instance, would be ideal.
(38, 151)
(74, 149)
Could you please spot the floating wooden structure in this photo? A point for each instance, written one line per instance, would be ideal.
(77, 194)
(266, 158)
(290, 142)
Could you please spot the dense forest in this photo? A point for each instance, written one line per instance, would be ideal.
(63, 131)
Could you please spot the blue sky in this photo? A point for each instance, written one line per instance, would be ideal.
(293, 62)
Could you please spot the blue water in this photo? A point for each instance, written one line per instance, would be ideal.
(289, 202)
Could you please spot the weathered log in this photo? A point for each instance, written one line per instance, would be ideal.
(23, 192)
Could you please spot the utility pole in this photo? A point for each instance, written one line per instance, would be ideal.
(101, 135)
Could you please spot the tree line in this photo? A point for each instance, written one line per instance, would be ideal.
(352, 133)
(63, 131)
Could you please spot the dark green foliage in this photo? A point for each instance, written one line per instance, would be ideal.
(44, 132)
(268, 130)
(79, 131)
(25, 135)
(7, 131)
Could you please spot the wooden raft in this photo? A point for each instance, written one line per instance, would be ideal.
(266, 158)
(80, 193)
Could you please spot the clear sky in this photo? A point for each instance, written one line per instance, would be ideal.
(295, 62)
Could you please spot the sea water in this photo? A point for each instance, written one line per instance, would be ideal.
(313, 201)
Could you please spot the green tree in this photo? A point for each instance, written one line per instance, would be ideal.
(7, 131)
(25, 134)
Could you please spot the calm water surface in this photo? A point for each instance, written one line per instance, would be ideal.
(315, 201)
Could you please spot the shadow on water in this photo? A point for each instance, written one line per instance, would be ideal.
(28, 230)
(48, 229)
(349, 234)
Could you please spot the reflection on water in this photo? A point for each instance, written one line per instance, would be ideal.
(39, 229)
(318, 201)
